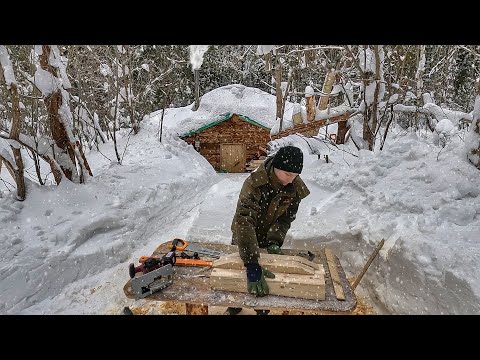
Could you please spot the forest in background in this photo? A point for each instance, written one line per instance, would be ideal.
(58, 100)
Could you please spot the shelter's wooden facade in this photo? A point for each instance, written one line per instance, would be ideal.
(230, 142)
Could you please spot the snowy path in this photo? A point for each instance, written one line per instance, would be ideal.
(200, 215)
(91, 294)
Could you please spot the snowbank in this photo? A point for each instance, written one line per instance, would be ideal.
(427, 210)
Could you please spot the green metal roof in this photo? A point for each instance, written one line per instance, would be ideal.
(223, 118)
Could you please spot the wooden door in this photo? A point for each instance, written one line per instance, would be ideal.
(233, 157)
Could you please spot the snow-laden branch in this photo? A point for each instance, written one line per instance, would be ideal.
(7, 66)
(316, 48)
(474, 53)
(6, 154)
(438, 112)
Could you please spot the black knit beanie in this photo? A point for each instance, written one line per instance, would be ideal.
(289, 158)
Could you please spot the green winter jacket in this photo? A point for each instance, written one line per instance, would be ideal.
(265, 211)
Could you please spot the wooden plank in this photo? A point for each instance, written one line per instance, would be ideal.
(297, 118)
(190, 287)
(297, 258)
(255, 163)
(273, 262)
(290, 285)
(332, 267)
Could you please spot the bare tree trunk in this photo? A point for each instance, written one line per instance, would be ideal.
(474, 136)
(113, 133)
(309, 57)
(386, 128)
(374, 114)
(367, 132)
(17, 172)
(419, 79)
(268, 62)
(475, 153)
(37, 166)
(278, 90)
(310, 104)
(197, 90)
(129, 91)
(370, 119)
(53, 102)
(14, 134)
(165, 102)
(284, 101)
(420, 71)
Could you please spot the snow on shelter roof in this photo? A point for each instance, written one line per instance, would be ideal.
(223, 118)
(251, 104)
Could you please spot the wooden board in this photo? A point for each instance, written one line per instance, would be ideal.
(254, 164)
(290, 285)
(332, 267)
(285, 256)
(297, 118)
(274, 263)
(192, 285)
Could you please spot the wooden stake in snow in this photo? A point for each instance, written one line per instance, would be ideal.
(365, 268)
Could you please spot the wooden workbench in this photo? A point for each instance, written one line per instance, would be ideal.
(191, 286)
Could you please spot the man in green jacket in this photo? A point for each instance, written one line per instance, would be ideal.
(267, 205)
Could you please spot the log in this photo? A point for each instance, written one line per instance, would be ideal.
(290, 285)
(275, 263)
(327, 89)
(332, 267)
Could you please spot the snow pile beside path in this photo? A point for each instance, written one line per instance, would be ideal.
(61, 235)
(427, 210)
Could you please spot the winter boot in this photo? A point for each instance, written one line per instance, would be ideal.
(232, 311)
(262, 312)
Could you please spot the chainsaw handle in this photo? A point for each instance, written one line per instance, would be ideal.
(179, 244)
(131, 270)
(144, 258)
(193, 262)
(181, 261)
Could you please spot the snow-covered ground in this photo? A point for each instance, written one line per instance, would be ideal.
(66, 249)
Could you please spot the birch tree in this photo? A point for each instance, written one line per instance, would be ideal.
(370, 66)
(14, 165)
(196, 59)
(67, 149)
(472, 141)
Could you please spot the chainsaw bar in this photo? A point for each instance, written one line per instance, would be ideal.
(200, 250)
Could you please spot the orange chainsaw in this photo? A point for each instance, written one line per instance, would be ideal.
(179, 261)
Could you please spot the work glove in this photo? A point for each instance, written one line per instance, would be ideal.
(256, 283)
(274, 249)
